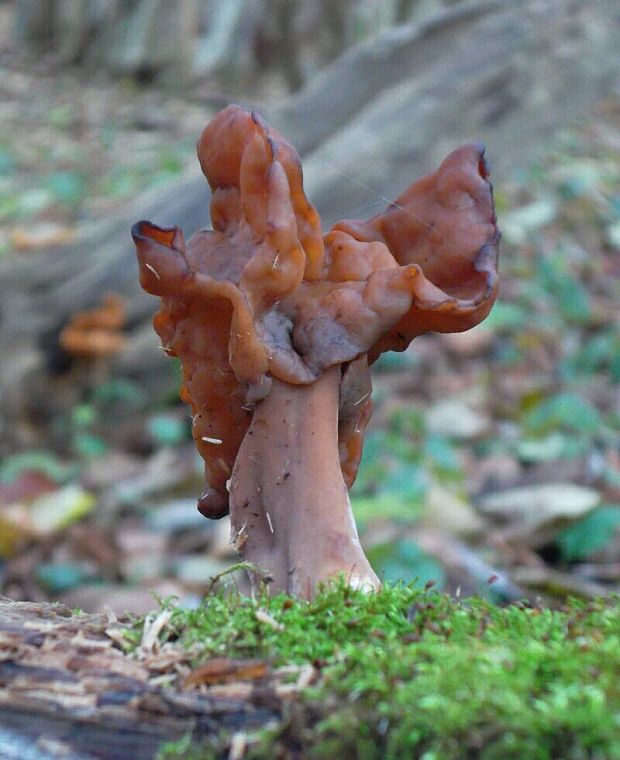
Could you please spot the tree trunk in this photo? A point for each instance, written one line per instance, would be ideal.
(145, 38)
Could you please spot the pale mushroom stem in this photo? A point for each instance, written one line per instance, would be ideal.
(289, 505)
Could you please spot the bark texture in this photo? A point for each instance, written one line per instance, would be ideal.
(67, 690)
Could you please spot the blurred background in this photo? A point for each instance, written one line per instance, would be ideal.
(492, 462)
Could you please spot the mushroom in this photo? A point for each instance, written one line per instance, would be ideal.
(276, 326)
(96, 333)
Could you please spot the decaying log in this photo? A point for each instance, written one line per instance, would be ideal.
(65, 683)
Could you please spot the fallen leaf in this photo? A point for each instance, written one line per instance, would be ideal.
(446, 511)
(535, 514)
(27, 486)
(517, 224)
(557, 583)
(225, 670)
(456, 419)
(41, 516)
(60, 508)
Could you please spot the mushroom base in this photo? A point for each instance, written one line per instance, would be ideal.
(289, 505)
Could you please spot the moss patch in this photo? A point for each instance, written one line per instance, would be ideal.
(411, 673)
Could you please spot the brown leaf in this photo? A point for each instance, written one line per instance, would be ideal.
(27, 486)
(225, 670)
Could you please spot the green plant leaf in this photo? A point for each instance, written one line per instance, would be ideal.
(89, 445)
(406, 481)
(168, 429)
(60, 508)
(7, 165)
(120, 390)
(385, 506)
(67, 187)
(409, 421)
(506, 317)
(394, 361)
(40, 461)
(567, 411)
(57, 578)
(404, 560)
(556, 445)
(590, 534)
(60, 117)
(442, 456)
(83, 415)
(572, 298)
(599, 353)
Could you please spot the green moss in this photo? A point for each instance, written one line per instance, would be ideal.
(410, 673)
(226, 624)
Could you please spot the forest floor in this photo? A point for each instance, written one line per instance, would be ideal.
(492, 463)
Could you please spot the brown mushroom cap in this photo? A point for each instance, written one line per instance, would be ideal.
(96, 332)
(445, 225)
(264, 294)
